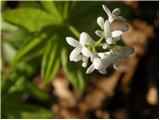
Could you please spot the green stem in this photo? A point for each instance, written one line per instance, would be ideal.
(98, 42)
(65, 11)
(74, 30)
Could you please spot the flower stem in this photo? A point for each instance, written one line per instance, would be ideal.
(74, 30)
(98, 42)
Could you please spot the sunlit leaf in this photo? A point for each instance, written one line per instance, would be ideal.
(8, 52)
(29, 47)
(51, 61)
(13, 34)
(31, 19)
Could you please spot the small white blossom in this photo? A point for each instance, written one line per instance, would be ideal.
(100, 21)
(110, 36)
(80, 47)
(100, 62)
(85, 48)
(114, 15)
(119, 54)
(97, 64)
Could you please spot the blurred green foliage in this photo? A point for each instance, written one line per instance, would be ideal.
(33, 42)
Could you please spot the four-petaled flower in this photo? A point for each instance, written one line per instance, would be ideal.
(85, 48)
(114, 15)
(100, 62)
(80, 47)
(110, 36)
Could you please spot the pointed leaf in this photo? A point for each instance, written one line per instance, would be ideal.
(74, 72)
(30, 46)
(31, 19)
(50, 60)
(50, 7)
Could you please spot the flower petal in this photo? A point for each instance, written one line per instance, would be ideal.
(84, 64)
(99, 33)
(90, 69)
(98, 63)
(71, 41)
(116, 65)
(105, 46)
(83, 38)
(117, 38)
(86, 52)
(117, 33)
(93, 56)
(74, 54)
(124, 27)
(106, 56)
(101, 54)
(116, 11)
(113, 54)
(79, 57)
(105, 8)
(107, 27)
(100, 21)
(85, 60)
(129, 50)
(109, 40)
(102, 71)
(106, 60)
(120, 18)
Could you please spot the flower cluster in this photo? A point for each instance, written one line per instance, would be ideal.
(112, 52)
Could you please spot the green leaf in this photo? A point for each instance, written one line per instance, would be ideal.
(19, 85)
(23, 110)
(63, 7)
(66, 9)
(39, 113)
(50, 61)
(32, 47)
(74, 72)
(36, 92)
(7, 26)
(8, 52)
(31, 19)
(50, 7)
(14, 35)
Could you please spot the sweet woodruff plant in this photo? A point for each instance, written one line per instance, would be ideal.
(109, 49)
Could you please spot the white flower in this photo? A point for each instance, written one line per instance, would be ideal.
(110, 36)
(80, 47)
(120, 53)
(97, 64)
(100, 62)
(100, 21)
(114, 15)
